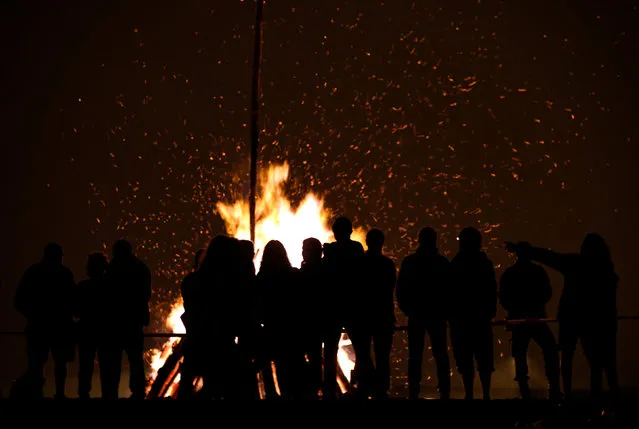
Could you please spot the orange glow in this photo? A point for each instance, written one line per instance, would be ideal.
(278, 220)
(159, 356)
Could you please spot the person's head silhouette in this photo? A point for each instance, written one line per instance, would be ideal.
(246, 251)
(275, 259)
(97, 264)
(122, 249)
(469, 240)
(375, 241)
(220, 252)
(523, 254)
(311, 251)
(342, 229)
(53, 253)
(428, 238)
(594, 249)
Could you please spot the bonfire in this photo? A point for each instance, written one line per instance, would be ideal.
(277, 219)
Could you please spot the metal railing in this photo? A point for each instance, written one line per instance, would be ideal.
(501, 322)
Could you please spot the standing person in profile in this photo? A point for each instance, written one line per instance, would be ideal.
(524, 292)
(89, 309)
(423, 294)
(191, 368)
(312, 304)
(343, 262)
(474, 307)
(43, 297)
(375, 317)
(128, 294)
(215, 319)
(587, 308)
(248, 333)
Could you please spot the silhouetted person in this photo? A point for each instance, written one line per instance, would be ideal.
(312, 306)
(474, 307)
(93, 319)
(375, 309)
(524, 292)
(44, 298)
(343, 262)
(587, 309)
(217, 318)
(245, 256)
(128, 293)
(190, 365)
(188, 285)
(248, 329)
(276, 283)
(424, 295)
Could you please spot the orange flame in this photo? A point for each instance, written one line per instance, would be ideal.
(157, 357)
(277, 220)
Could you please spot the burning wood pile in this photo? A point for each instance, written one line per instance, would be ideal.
(165, 382)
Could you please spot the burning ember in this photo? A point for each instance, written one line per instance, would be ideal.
(276, 220)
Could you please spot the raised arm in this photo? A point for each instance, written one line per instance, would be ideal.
(561, 262)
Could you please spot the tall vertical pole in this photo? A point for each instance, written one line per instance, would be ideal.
(255, 108)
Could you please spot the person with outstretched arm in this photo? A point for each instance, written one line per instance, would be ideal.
(587, 308)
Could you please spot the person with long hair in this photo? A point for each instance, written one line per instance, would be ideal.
(216, 318)
(276, 282)
(597, 310)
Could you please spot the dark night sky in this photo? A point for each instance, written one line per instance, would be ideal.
(515, 117)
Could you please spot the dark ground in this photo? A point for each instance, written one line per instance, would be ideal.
(397, 413)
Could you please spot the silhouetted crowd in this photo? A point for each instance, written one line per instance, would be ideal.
(283, 325)
(111, 308)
